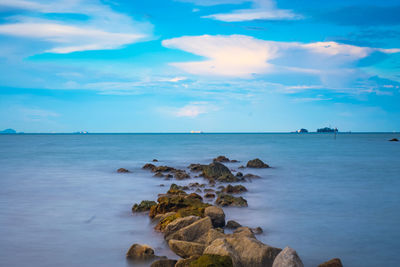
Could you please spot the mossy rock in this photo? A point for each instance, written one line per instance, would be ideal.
(176, 202)
(219, 172)
(145, 205)
(229, 200)
(256, 163)
(208, 260)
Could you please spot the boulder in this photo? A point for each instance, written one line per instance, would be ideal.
(217, 171)
(257, 230)
(239, 174)
(186, 249)
(192, 232)
(164, 263)
(163, 169)
(158, 174)
(145, 205)
(256, 163)
(140, 252)
(122, 170)
(394, 140)
(149, 166)
(155, 160)
(209, 190)
(332, 263)
(237, 189)
(216, 214)
(210, 236)
(243, 232)
(250, 176)
(179, 224)
(244, 251)
(288, 258)
(232, 224)
(208, 260)
(160, 217)
(181, 174)
(229, 200)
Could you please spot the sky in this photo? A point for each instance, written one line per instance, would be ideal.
(204, 65)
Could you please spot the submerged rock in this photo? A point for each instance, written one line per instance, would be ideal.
(217, 216)
(140, 252)
(288, 258)
(181, 174)
(209, 195)
(195, 167)
(394, 140)
(208, 260)
(122, 170)
(155, 160)
(164, 263)
(232, 224)
(336, 262)
(250, 176)
(257, 163)
(257, 230)
(145, 205)
(221, 159)
(149, 166)
(229, 200)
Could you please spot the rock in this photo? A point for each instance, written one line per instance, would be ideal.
(145, 205)
(243, 232)
(208, 260)
(232, 224)
(239, 174)
(394, 140)
(122, 170)
(196, 167)
(250, 176)
(164, 263)
(179, 224)
(288, 258)
(160, 217)
(140, 252)
(192, 232)
(163, 169)
(209, 190)
(186, 262)
(332, 263)
(186, 249)
(244, 251)
(217, 216)
(229, 200)
(221, 159)
(198, 190)
(169, 176)
(241, 167)
(237, 189)
(257, 230)
(155, 160)
(149, 166)
(217, 171)
(210, 236)
(209, 195)
(162, 185)
(256, 163)
(181, 174)
(158, 174)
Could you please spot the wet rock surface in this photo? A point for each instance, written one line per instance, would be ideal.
(122, 170)
(332, 263)
(256, 163)
(145, 205)
(225, 200)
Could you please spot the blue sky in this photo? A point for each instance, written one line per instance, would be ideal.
(210, 65)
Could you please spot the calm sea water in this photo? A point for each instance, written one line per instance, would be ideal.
(63, 204)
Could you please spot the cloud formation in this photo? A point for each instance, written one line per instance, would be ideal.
(104, 28)
(244, 56)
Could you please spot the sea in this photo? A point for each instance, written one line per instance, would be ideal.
(62, 203)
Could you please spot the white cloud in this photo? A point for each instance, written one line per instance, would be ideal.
(261, 10)
(244, 56)
(191, 110)
(104, 29)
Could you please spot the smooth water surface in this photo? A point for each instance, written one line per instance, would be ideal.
(63, 204)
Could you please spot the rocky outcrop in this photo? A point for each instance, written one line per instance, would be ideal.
(145, 205)
(217, 216)
(332, 263)
(164, 263)
(229, 200)
(140, 252)
(122, 170)
(221, 159)
(244, 251)
(218, 172)
(256, 163)
(208, 260)
(186, 249)
(288, 258)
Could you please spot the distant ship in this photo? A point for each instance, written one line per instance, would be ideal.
(82, 132)
(196, 132)
(327, 130)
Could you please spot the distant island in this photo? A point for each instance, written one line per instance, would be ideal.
(327, 130)
(8, 131)
(302, 130)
